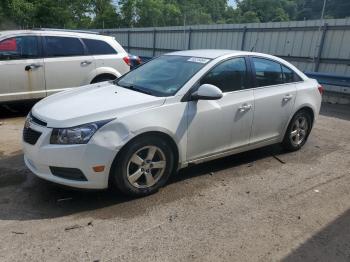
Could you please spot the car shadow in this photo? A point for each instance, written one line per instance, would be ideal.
(16, 109)
(23, 196)
(332, 243)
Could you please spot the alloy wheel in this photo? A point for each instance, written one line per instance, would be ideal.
(146, 167)
(299, 130)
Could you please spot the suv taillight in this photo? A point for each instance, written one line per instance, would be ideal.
(127, 60)
(320, 89)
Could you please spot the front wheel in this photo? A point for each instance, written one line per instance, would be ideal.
(143, 166)
(298, 131)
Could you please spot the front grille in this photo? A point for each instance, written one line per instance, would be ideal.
(37, 121)
(68, 173)
(30, 136)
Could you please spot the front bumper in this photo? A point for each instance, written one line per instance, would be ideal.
(43, 155)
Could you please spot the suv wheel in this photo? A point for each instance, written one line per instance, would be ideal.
(143, 167)
(298, 131)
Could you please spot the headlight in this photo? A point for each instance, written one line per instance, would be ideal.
(76, 135)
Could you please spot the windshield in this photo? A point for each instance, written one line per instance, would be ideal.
(163, 76)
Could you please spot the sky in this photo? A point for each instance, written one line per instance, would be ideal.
(231, 2)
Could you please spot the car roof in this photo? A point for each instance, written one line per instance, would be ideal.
(215, 53)
(205, 53)
(58, 32)
(211, 53)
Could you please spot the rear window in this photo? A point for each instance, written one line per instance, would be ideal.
(63, 46)
(267, 72)
(98, 47)
(22, 47)
(290, 76)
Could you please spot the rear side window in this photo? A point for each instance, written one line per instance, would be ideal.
(98, 47)
(63, 46)
(229, 76)
(289, 75)
(267, 72)
(21, 47)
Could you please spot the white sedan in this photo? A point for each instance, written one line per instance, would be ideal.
(181, 108)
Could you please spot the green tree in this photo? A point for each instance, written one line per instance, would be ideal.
(265, 10)
(312, 9)
(338, 8)
(128, 12)
(105, 13)
(141, 13)
(157, 13)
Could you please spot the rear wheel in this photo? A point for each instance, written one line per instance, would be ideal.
(298, 131)
(143, 166)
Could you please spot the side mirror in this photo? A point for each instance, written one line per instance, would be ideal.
(207, 92)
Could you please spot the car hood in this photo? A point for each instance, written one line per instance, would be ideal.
(92, 103)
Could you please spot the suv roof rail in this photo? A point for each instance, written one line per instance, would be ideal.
(67, 30)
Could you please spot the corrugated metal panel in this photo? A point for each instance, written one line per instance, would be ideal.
(298, 39)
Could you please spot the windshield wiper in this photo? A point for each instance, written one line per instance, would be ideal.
(135, 88)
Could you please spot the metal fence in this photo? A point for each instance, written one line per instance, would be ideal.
(313, 46)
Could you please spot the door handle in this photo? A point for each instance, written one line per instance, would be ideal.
(85, 63)
(245, 107)
(286, 98)
(32, 66)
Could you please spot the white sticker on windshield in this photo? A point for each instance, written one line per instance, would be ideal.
(198, 60)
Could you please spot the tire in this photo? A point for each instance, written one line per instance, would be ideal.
(102, 78)
(135, 173)
(298, 131)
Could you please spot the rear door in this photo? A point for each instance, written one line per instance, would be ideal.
(67, 63)
(21, 68)
(106, 55)
(274, 97)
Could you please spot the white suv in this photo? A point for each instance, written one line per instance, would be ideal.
(37, 63)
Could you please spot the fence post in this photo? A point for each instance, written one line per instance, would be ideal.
(154, 42)
(243, 37)
(189, 38)
(320, 49)
(128, 41)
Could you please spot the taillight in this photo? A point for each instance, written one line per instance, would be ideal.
(320, 89)
(127, 60)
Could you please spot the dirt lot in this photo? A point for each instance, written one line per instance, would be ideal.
(263, 205)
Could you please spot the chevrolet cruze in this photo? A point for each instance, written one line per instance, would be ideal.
(181, 108)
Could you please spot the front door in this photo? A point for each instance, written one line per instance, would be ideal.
(21, 69)
(66, 63)
(224, 124)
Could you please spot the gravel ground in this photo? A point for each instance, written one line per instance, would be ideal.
(263, 205)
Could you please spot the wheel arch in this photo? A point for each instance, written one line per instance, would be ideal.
(102, 71)
(307, 108)
(159, 134)
(104, 75)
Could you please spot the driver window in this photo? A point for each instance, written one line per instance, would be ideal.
(229, 76)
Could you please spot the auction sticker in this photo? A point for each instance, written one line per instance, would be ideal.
(198, 60)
